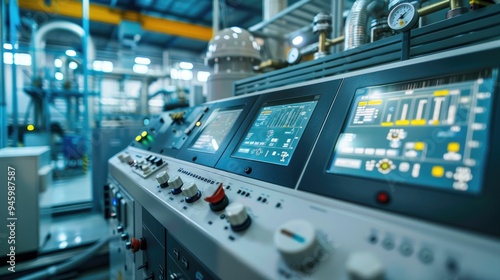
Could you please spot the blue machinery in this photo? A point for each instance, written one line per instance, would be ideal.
(353, 166)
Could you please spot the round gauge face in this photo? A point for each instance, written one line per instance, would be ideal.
(402, 17)
(293, 56)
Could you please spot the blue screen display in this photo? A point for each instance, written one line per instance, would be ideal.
(276, 132)
(431, 133)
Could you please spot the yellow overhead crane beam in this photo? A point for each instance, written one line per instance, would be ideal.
(109, 15)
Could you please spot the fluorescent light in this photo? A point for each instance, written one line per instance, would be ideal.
(186, 65)
(107, 66)
(97, 65)
(140, 69)
(186, 75)
(104, 66)
(59, 76)
(23, 59)
(73, 65)
(7, 46)
(57, 62)
(7, 58)
(174, 74)
(202, 76)
(297, 40)
(142, 60)
(70, 53)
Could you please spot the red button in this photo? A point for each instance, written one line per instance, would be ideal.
(135, 245)
(383, 197)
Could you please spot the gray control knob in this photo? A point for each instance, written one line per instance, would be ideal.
(176, 184)
(237, 216)
(298, 244)
(364, 266)
(189, 190)
(162, 179)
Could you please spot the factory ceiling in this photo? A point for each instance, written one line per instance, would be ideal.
(169, 24)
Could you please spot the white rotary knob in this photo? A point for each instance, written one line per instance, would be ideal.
(176, 184)
(364, 266)
(162, 179)
(237, 216)
(298, 244)
(189, 190)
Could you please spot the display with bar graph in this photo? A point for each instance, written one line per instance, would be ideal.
(431, 132)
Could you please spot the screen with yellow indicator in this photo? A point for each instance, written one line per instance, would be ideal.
(215, 130)
(432, 133)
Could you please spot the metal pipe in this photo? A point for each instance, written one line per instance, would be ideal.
(3, 97)
(334, 41)
(337, 20)
(13, 42)
(455, 4)
(215, 17)
(88, 56)
(40, 37)
(434, 7)
(322, 42)
(355, 26)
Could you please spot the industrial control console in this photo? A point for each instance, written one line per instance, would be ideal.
(382, 173)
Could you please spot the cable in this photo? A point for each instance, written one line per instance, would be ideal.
(72, 263)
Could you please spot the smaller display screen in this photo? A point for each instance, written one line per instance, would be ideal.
(432, 133)
(276, 132)
(216, 128)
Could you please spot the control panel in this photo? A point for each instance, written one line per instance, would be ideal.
(119, 209)
(385, 173)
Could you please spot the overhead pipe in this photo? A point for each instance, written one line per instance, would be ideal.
(40, 39)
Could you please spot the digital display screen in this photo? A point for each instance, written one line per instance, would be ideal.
(276, 132)
(216, 128)
(432, 133)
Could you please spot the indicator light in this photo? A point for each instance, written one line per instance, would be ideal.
(144, 133)
(30, 127)
(383, 198)
(138, 138)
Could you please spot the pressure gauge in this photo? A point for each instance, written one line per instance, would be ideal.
(403, 17)
(293, 56)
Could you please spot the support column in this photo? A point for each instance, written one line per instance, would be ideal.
(269, 9)
(3, 97)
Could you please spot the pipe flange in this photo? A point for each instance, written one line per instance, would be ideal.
(322, 22)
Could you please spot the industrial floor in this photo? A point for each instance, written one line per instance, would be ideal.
(67, 234)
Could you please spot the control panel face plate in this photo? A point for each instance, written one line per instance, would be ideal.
(404, 246)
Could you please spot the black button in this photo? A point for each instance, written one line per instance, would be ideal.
(158, 161)
(227, 187)
(264, 200)
(148, 158)
(238, 192)
(243, 192)
(278, 205)
(209, 222)
(223, 216)
(247, 195)
(231, 237)
(247, 170)
(259, 198)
